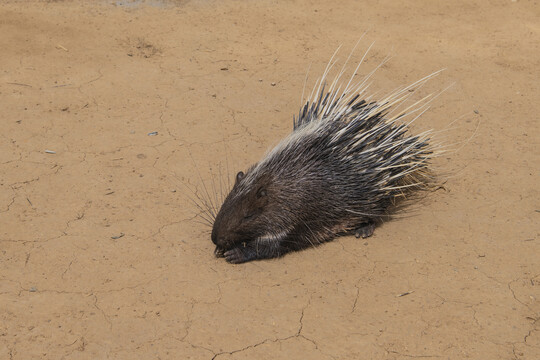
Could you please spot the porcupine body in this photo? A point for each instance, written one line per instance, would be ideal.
(343, 167)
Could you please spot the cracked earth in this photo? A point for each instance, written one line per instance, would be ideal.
(115, 114)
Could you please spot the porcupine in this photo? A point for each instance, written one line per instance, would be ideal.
(341, 170)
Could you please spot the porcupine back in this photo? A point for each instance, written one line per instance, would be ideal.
(347, 161)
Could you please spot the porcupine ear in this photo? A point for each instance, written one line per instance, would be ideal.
(239, 176)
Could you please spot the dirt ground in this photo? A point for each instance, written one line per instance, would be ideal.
(110, 111)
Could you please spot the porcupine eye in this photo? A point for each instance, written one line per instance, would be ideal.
(261, 193)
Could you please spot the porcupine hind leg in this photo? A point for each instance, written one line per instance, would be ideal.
(365, 230)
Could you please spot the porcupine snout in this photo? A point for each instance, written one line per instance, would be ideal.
(217, 237)
(221, 236)
(217, 231)
(218, 241)
(214, 237)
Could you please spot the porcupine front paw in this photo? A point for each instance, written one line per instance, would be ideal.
(365, 230)
(240, 255)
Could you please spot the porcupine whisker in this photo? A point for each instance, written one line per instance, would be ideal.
(228, 172)
(213, 188)
(206, 202)
(227, 169)
(199, 202)
(205, 220)
(202, 208)
(202, 222)
(211, 199)
(212, 208)
(220, 183)
(204, 213)
(218, 195)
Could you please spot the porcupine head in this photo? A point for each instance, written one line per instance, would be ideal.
(300, 194)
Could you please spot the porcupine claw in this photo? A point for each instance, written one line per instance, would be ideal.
(365, 230)
(218, 252)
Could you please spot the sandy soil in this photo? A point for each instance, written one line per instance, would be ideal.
(100, 253)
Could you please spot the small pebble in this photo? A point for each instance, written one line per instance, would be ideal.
(50, 152)
(32, 289)
(153, 133)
